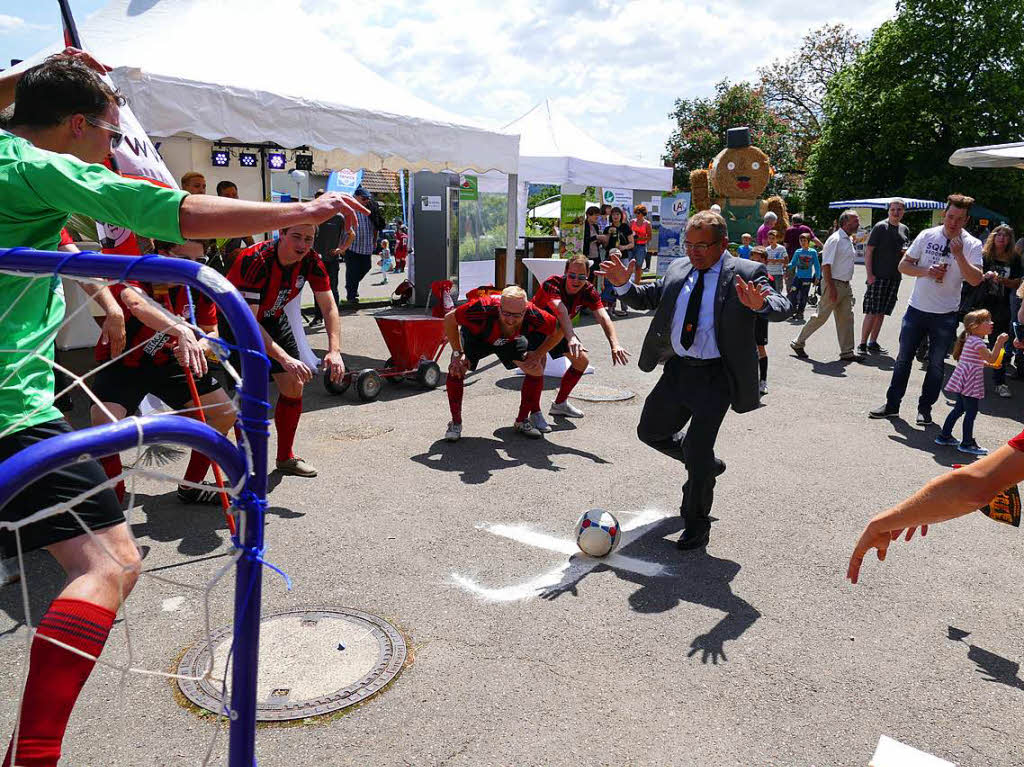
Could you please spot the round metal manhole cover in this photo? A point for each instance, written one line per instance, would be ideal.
(356, 433)
(313, 661)
(597, 393)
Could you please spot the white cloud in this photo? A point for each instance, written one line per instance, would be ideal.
(615, 68)
(12, 24)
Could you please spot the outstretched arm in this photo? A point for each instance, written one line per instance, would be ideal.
(757, 294)
(633, 295)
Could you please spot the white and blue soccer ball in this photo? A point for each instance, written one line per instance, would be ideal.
(597, 532)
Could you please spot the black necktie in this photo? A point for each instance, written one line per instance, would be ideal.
(693, 311)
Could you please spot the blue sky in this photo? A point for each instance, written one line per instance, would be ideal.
(614, 68)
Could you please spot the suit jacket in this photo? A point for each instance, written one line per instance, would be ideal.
(734, 322)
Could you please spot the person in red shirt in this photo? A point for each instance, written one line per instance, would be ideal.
(401, 248)
(269, 275)
(160, 345)
(514, 330)
(565, 296)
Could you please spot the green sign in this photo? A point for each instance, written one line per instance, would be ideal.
(573, 209)
(468, 188)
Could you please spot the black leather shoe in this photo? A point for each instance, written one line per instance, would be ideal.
(696, 540)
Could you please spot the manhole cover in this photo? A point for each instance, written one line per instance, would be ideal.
(356, 433)
(596, 393)
(313, 661)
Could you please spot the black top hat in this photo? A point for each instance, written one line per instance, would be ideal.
(737, 137)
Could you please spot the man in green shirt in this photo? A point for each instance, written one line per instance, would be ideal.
(65, 122)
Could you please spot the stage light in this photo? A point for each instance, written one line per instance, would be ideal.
(276, 160)
(248, 160)
(220, 158)
(304, 162)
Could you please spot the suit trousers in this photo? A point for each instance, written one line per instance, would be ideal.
(694, 396)
(842, 307)
(357, 265)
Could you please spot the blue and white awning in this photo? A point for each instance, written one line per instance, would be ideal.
(882, 203)
(992, 156)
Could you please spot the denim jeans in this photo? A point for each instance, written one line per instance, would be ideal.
(356, 267)
(939, 329)
(968, 408)
(799, 292)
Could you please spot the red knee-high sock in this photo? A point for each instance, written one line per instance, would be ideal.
(455, 387)
(198, 465)
(529, 400)
(286, 419)
(56, 677)
(569, 380)
(112, 467)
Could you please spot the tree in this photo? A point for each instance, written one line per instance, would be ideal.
(702, 123)
(941, 75)
(794, 88)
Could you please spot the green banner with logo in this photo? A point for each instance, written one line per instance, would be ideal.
(468, 190)
(573, 219)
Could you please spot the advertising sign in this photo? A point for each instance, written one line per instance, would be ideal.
(573, 207)
(468, 188)
(621, 198)
(675, 212)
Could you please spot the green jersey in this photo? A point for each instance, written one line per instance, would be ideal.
(40, 189)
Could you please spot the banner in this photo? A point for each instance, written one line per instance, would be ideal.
(573, 207)
(468, 189)
(621, 198)
(345, 180)
(675, 212)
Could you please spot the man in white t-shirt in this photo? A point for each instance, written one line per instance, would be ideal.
(837, 264)
(941, 258)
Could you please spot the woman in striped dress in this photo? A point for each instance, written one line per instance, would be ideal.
(967, 383)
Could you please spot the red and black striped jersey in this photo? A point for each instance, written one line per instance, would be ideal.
(553, 289)
(481, 318)
(263, 280)
(145, 346)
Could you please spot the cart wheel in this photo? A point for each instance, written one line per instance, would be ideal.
(393, 380)
(368, 385)
(337, 388)
(429, 374)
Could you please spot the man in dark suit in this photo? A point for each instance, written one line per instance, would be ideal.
(703, 330)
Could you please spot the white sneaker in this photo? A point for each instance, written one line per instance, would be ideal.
(565, 409)
(537, 419)
(527, 429)
(763, 388)
(454, 431)
(1004, 391)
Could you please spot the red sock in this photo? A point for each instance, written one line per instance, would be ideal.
(112, 467)
(198, 465)
(455, 387)
(529, 400)
(56, 677)
(569, 380)
(286, 419)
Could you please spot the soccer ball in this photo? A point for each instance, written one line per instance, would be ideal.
(597, 532)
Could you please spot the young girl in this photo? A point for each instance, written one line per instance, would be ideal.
(387, 263)
(758, 253)
(967, 383)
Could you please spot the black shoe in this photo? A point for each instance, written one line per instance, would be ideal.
(923, 418)
(885, 412)
(696, 540)
(862, 348)
(851, 357)
(798, 350)
(191, 495)
(874, 348)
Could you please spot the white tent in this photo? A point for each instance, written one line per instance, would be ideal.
(992, 156)
(551, 209)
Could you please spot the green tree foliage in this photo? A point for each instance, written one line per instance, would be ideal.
(701, 124)
(941, 75)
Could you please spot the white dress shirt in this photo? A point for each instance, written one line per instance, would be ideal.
(705, 345)
(840, 254)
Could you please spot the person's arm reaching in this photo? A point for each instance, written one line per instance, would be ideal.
(459, 365)
(204, 217)
(334, 364)
(869, 253)
(189, 352)
(633, 295)
(953, 494)
(619, 355)
(112, 332)
(565, 323)
(9, 79)
(757, 294)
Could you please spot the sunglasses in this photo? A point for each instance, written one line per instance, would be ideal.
(512, 315)
(116, 136)
(574, 276)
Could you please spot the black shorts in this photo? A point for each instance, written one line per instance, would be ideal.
(278, 328)
(560, 350)
(128, 386)
(508, 350)
(98, 511)
(880, 296)
(761, 331)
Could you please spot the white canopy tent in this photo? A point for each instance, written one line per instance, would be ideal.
(992, 156)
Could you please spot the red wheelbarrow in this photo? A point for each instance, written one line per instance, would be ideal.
(415, 344)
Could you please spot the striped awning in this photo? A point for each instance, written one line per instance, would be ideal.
(883, 203)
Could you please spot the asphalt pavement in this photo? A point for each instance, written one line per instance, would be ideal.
(755, 652)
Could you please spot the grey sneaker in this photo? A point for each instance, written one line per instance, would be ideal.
(763, 387)
(1004, 391)
(972, 449)
(537, 419)
(565, 409)
(527, 429)
(296, 467)
(454, 431)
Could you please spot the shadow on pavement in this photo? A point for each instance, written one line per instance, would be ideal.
(994, 668)
(923, 438)
(834, 369)
(477, 458)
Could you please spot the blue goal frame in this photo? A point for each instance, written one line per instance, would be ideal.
(36, 461)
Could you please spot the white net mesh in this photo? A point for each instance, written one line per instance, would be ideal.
(159, 600)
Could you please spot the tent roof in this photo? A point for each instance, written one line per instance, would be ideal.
(188, 69)
(555, 151)
(883, 203)
(992, 156)
(552, 209)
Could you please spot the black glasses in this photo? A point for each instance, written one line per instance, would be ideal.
(573, 276)
(116, 136)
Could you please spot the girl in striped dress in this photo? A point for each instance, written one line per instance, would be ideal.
(967, 383)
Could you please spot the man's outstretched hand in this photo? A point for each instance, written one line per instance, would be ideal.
(751, 294)
(874, 538)
(328, 205)
(616, 272)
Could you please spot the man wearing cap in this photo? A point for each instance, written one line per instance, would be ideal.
(358, 256)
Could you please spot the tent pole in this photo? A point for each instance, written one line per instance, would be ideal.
(511, 229)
